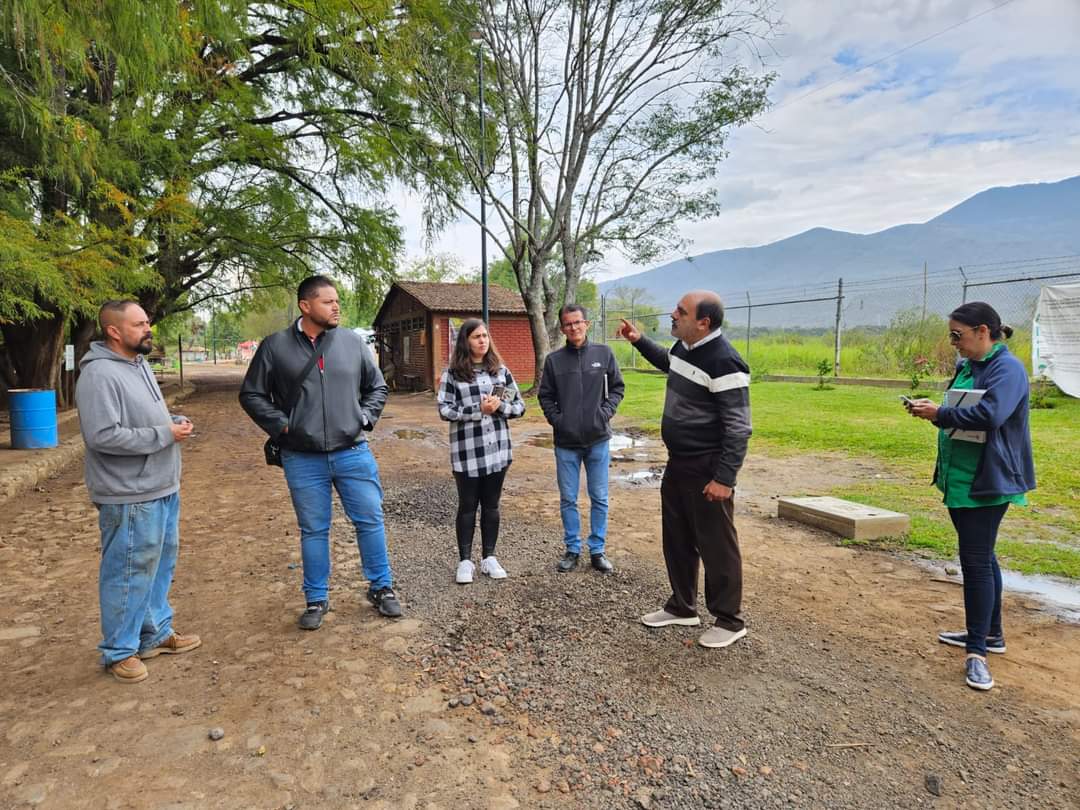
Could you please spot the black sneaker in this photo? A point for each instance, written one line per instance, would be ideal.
(386, 602)
(994, 644)
(601, 563)
(311, 618)
(567, 563)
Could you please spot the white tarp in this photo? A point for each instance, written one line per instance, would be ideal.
(1055, 337)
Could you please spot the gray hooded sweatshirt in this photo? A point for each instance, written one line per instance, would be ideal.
(131, 455)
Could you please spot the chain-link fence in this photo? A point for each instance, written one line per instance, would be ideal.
(886, 328)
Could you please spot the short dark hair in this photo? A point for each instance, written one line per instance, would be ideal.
(310, 287)
(711, 309)
(978, 313)
(566, 310)
(110, 311)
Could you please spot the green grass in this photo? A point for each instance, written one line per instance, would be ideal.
(868, 422)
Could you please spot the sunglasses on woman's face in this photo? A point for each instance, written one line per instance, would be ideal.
(956, 334)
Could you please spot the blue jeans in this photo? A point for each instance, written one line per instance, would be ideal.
(353, 473)
(568, 461)
(139, 542)
(976, 533)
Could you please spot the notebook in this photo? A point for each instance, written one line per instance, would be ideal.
(965, 398)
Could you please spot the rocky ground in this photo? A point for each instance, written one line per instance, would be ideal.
(542, 690)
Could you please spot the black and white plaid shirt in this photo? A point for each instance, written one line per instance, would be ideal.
(479, 442)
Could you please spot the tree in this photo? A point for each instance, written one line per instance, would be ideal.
(608, 121)
(207, 149)
(439, 267)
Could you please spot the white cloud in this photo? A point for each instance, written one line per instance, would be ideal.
(995, 101)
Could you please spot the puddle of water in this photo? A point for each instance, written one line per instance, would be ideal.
(541, 441)
(624, 441)
(1061, 597)
(649, 476)
(410, 434)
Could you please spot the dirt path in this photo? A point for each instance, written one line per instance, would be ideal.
(839, 696)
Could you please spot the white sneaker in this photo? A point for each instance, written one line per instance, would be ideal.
(661, 618)
(465, 572)
(491, 567)
(716, 637)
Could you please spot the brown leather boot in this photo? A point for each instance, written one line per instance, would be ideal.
(130, 670)
(173, 645)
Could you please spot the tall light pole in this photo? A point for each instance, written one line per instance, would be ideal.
(479, 38)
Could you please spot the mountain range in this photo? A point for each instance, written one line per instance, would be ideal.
(1002, 224)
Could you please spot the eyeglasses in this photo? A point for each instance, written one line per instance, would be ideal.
(574, 324)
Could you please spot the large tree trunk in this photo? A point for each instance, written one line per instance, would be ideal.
(35, 350)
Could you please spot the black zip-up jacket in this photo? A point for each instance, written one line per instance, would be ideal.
(579, 392)
(336, 404)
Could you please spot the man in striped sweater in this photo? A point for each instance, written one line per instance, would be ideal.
(706, 428)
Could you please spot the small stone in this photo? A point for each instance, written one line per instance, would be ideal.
(216, 733)
(738, 770)
(543, 786)
(564, 786)
(952, 570)
(933, 784)
(177, 711)
(765, 770)
(453, 703)
(488, 708)
(467, 700)
(260, 751)
(472, 738)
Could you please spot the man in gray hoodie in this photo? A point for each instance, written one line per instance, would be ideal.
(133, 476)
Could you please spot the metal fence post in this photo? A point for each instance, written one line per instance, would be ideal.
(633, 354)
(603, 319)
(963, 294)
(839, 314)
(180, 355)
(749, 312)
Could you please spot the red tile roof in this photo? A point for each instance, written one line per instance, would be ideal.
(440, 297)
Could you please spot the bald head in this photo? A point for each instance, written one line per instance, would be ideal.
(125, 328)
(698, 313)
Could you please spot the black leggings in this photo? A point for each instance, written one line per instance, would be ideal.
(484, 492)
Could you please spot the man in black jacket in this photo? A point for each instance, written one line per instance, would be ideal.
(580, 388)
(322, 438)
(706, 427)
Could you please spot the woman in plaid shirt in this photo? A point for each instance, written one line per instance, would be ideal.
(477, 395)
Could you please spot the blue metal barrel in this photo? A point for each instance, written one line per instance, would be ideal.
(33, 418)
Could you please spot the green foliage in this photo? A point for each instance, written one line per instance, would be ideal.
(913, 344)
(439, 267)
(188, 152)
(1043, 394)
(824, 369)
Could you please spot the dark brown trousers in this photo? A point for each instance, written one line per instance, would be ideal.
(696, 529)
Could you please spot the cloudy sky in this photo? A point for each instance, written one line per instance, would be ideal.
(994, 101)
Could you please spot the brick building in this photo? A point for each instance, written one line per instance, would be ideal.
(418, 321)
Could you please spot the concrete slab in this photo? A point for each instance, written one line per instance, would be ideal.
(845, 518)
